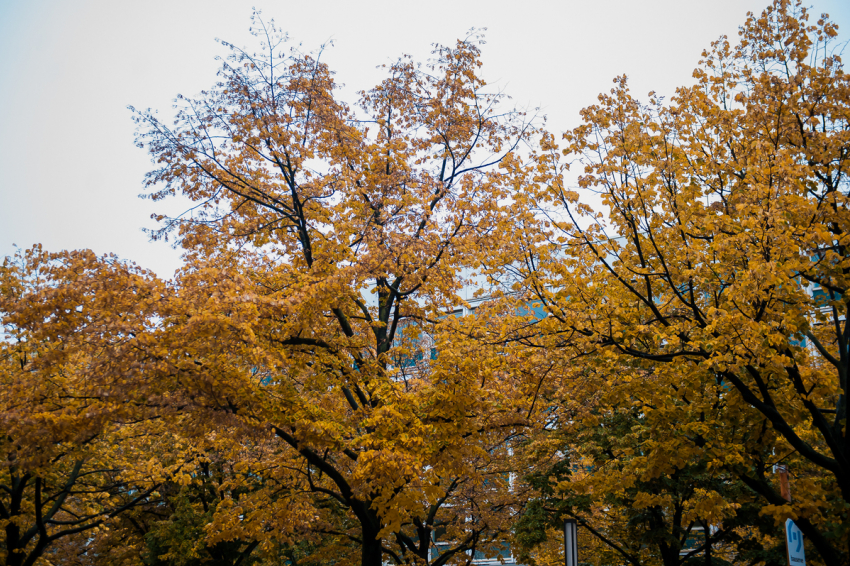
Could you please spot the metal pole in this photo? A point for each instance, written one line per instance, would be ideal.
(570, 542)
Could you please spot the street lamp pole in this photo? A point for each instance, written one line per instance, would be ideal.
(570, 542)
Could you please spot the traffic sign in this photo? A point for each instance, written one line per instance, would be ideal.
(794, 544)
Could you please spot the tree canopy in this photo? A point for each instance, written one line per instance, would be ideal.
(711, 293)
(421, 330)
(319, 236)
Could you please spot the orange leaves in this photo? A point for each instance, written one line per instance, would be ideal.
(72, 352)
(711, 294)
(72, 318)
(315, 242)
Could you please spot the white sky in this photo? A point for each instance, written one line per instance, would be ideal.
(70, 174)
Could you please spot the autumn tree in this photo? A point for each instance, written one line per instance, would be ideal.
(719, 258)
(234, 503)
(222, 500)
(317, 232)
(613, 472)
(69, 447)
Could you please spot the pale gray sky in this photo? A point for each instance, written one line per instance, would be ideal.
(70, 174)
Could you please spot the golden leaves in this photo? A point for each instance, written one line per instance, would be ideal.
(696, 305)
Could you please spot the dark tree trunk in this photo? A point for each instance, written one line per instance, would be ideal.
(371, 550)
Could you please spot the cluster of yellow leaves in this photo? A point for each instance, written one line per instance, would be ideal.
(301, 386)
(321, 235)
(711, 295)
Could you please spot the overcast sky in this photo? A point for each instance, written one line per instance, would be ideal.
(69, 172)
